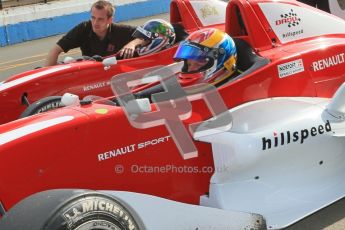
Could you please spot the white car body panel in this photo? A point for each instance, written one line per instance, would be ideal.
(283, 158)
(159, 213)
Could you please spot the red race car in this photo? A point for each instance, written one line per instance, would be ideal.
(278, 153)
(90, 77)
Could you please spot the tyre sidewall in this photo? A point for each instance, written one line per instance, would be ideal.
(43, 105)
(96, 211)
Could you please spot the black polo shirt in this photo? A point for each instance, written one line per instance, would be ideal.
(83, 36)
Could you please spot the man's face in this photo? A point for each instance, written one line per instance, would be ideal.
(100, 21)
(194, 65)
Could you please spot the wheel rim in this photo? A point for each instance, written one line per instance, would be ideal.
(98, 225)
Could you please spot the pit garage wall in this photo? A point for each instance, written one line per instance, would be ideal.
(19, 24)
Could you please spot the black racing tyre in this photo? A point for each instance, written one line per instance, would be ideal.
(341, 4)
(43, 105)
(70, 210)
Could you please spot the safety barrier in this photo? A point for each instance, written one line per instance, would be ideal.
(14, 3)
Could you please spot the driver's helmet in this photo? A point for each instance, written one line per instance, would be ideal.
(211, 46)
(158, 32)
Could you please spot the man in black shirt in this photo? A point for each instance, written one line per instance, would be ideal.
(98, 36)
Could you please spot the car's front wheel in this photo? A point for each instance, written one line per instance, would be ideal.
(69, 210)
(42, 105)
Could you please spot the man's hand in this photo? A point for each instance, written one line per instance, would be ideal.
(128, 50)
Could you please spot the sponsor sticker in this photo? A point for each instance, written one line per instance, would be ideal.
(131, 148)
(328, 62)
(290, 68)
(95, 86)
(299, 136)
(101, 111)
(210, 14)
(290, 19)
(86, 207)
(208, 10)
(292, 22)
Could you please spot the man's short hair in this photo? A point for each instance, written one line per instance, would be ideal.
(102, 4)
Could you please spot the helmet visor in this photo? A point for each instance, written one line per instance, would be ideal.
(142, 33)
(187, 50)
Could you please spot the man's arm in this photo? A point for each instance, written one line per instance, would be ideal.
(69, 41)
(53, 55)
(128, 50)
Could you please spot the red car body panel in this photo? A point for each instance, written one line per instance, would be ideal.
(87, 77)
(76, 152)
